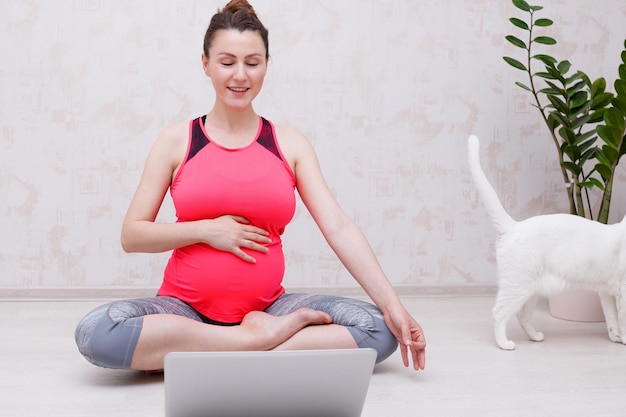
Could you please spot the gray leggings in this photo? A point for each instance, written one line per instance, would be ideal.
(108, 335)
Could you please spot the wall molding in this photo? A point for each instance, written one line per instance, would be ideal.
(112, 293)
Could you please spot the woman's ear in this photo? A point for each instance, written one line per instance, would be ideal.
(205, 65)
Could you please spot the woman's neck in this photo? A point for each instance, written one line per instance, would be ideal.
(233, 121)
(232, 129)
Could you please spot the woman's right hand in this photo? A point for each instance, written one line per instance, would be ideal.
(234, 233)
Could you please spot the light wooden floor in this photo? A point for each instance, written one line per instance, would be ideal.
(576, 371)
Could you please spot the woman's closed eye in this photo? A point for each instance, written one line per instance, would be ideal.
(249, 64)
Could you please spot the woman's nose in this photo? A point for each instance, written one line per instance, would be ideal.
(240, 72)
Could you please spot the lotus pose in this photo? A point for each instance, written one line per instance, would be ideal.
(232, 175)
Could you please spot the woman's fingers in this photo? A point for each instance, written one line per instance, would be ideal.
(257, 236)
(239, 237)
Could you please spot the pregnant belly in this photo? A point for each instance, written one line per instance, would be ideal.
(220, 285)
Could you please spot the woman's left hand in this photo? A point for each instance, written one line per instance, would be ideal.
(409, 334)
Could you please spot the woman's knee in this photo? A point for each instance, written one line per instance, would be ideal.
(108, 335)
(107, 338)
(366, 324)
(376, 335)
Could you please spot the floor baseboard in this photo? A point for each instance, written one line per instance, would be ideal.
(112, 293)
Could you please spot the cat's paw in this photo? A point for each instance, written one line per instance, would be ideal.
(507, 345)
(536, 337)
(614, 336)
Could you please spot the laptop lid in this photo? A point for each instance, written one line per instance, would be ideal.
(305, 383)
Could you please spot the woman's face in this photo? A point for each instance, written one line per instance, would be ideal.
(237, 66)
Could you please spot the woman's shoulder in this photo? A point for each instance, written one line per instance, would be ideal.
(171, 143)
(175, 134)
(290, 137)
(295, 146)
(175, 131)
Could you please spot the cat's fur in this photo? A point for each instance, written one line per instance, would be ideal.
(546, 254)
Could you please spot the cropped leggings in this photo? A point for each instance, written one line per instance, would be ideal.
(108, 335)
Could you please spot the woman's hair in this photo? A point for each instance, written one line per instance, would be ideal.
(237, 14)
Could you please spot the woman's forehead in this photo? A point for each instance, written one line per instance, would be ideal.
(234, 42)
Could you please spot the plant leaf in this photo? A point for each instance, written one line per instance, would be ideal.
(546, 59)
(604, 171)
(580, 141)
(515, 63)
(524, 86)
(575, 88)
(585, 78)
(552, 122)
(572, 167)
(553, 86)
(559, 104)
(567, 134)
(597, 116)
(522, 5)
(545, 40)
(559, 120)
(547, 76)
(598, 86)
(578, 99)
(613, 117)
(584, 108)
(519, 23)
(592, 182)
(543, 22)
(611, 153)
(578, 76)
(619, 103)
(588, 153)
(564, 67)
(601, 100)
(620, 87)
(601, 158)
(555, 73)
(550, 91)
(572, 151)
(609, 134)
(516, 41)
(581, 121)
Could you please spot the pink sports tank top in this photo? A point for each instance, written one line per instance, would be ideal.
(255, 182)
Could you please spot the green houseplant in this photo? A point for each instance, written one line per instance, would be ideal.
(586, 123)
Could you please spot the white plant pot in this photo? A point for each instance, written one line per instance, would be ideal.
(576, 305)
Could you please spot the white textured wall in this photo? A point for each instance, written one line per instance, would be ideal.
(387, 91)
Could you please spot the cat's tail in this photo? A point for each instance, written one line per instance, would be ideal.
(502, 221)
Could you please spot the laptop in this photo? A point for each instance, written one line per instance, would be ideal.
(304, 383)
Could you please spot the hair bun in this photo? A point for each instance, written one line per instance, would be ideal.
(238, 15)
(234, 6)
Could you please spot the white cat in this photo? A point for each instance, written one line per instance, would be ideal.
(546, 254)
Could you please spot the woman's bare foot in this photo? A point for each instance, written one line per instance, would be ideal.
(154, 372)
(257, 331)
(270, 331)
